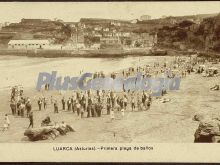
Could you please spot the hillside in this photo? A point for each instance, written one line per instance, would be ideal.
(55, 31)
(189, 35)
(200, 32)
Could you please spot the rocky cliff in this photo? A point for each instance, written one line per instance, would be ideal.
(187, 34)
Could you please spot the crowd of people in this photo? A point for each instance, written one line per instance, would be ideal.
(91, 104)
(20, 104)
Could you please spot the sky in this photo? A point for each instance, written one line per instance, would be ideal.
(73, 11)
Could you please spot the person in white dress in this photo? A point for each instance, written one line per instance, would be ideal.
(6, 123)
(122, 112)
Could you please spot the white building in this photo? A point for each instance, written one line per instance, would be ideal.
(106, 29)
(98, 28)
(108, 34)
(115, 23)
(145, 17)
(123, 34)
(95, 46)
(134, 21)
(97, 35)
(28, 44)
(80, 46)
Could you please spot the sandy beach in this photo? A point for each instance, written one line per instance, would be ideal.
(163, 123)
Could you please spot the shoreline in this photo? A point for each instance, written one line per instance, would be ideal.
(101, 53)
(104, 53)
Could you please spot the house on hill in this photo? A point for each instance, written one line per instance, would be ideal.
(145, 17)
(110, 40)
(143, 40)
(134, 21)
(71, 24)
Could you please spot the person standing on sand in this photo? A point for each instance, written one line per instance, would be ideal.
(63, 103)
(21, 108)
(28, 107)
(18, 105)
(82, 111)
(144, 97)
(45, 103)
(39, 103)
(113, 99)
(108, 101)
(120, 103)
(31, 119)
(148, 103)
(45, 87)
(125, 102)
(13, 107)
(139, 102)
(132, 103)
(89, 107)
(56, 107)
(93, 110)
(51, 99)
(72, 103)
(69, 104)
(83, 103)
(78, 106)
(122, 112)
(99, 109)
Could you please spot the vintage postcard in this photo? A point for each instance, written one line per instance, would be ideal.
(110, 81)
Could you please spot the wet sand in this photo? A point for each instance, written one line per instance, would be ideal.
(24, 71)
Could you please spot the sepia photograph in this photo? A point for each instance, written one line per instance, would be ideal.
(110, 72)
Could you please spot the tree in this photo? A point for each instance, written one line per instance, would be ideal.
(186, 23)
(216, 46)
(137, 44)
(128, 42)
(181, 34)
